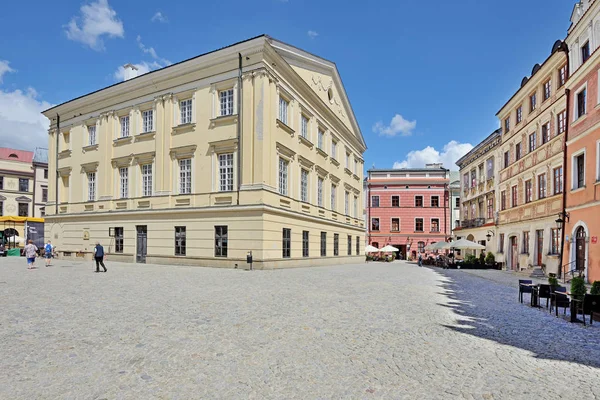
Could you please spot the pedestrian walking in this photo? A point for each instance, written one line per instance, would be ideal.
(48, 250)
(99, 256)
(420, 260)
(30, 253)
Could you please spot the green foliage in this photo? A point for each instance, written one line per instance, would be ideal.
(470, 259)
(490, 259)
(595, 288)
(578, 288)
(482, 258)
(552, 281)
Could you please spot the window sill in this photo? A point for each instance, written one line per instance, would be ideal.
(224, 120)
(419, 232)
(90, 147)
(321, 152)
(285, 127)
(579, 120)
(64, 154)
(335, 162)
(145, 136)
(183, 128)
(347, 171)
(305, 142)
(356, 177)
(122, 140)
(578, 189)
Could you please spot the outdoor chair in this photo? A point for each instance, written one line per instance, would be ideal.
(545, 292)
(559, 300)
(591, 306)
(524, 289)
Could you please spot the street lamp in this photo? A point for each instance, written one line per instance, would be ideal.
(562, 218)
(489, 235)
(560, 223)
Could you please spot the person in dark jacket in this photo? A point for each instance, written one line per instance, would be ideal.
(99, 256)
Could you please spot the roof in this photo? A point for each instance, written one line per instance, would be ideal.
(409, 170)
(488, 140)
(16, 155)
(40, 156)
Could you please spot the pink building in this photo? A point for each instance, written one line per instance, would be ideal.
(408, 208)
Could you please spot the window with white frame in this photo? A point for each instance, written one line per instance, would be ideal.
(147, 180)
(333, 149)
(185, 109)
(283, 110)
(124, 182)
(91, 186)
(355, 166)
(303, 185)
(490, 168)
(347, 160)
(124, 126)
(91, 135)
(147, 121)
(355, 210)
(346, 203)
(283, 176)
(320, 192)
(333, 199)
(580, 103)
(226, 102)
(320, 139)
(578, 168)
(304, 126)
(226, 172)
(185, 176)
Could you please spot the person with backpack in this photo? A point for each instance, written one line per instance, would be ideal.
(31, 252)
(48, 250)
(99, 256)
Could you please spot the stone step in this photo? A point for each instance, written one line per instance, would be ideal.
(537, 272)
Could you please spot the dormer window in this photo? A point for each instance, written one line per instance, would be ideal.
(585, 52)
(13, 155)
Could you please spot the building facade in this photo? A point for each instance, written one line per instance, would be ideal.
(582, 166)
(408, 208)
(479, 178)
(454, 191)
(253, 147)
(16, 183)
(530, 188)
(40, 182)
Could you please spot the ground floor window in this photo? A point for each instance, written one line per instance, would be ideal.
(23, 210)
(287, 243)
(336, 244)
(221, 241)
(501, 243)
(304, 243)
(421, 247)
(119, 240)
(358, 245)
(349, 245)
(180, 241)
(323, 244)
(555, 242)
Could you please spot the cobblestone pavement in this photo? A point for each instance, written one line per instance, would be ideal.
(370, 331)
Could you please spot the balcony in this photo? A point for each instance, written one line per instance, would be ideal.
(472, 223)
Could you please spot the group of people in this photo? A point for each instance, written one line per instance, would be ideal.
(31, 252)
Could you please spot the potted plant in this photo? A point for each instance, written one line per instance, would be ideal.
(553, 282)
(595, 290)
(578, 289)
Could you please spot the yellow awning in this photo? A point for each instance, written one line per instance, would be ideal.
(12, 218)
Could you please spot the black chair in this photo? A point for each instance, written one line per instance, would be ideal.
(545, 292)
(591, 306)
(523, 288)
(560, 300)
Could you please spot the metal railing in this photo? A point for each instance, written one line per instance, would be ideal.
(567, 270)
(472, 223)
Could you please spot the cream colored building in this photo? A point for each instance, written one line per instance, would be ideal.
(40, 182)
(253, 147)
(531, 175)
(16, 183)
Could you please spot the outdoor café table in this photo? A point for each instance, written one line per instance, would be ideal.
(573, 306)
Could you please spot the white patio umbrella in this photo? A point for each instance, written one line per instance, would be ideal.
(441, 246)
(464, 244)
(389, 249)
(431, 246)
(371, 249)
(15, 239)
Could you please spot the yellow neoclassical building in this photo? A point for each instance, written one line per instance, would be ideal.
(253, 147)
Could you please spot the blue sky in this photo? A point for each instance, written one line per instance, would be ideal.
(425, 78)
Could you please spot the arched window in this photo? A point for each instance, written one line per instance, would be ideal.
(421, 247)
(13, 155)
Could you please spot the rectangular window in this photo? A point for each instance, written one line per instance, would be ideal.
(124, 182)
(517, 151)
(519, 114)
(119, 240)
(546, 133)
(333, 197)
(355, 166)
(465, 211)
(358, 245)
(532, 142)
(180, 241)
(561, 122)
(323, 244)
(421, 247)
(147, 180)
(124, 126)
(374, 201)
(503, 200)
(287, 243)
(185, 108)
(320, 192)
(581, 103)
(395, 224)
(490, 208)
(147, 121)
(349, 245)
(221, 241)
(91, 135)
(91, 186)
(23, 185)
(532, 102)
(375, 224)
(304, 127)
(466, 181)
(562, 76)
(320, 139)
(395, 201)
(579, 171)
(435, 201)
(226, 172)
(23, 210)
(501, 243)
(346, 203)
(555, 241)
(490, 168)
(473, 178)
(457, 202)
(526, 242)
(418, 201)
(435, 225)
(348, 160)
(585, 52)
(336, 244)
(514, 196)
(528, 192)
(419, 225)
(507, 125)
(283, 176)
(303, 185)
(506, 159)
(542, 186)
(355, 214)
(283, 110)
(547, 89)
(185, 176)
(226, 102)
(304, 243)
(558, 180)
(334, 149)
(45, 175)
(44, 195)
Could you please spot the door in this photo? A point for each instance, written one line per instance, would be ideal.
(540, 246)
(142, 243)
(514, 253)
(580, 249)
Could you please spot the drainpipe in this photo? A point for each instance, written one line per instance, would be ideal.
(239, 128)
(369, 207)
(56, 166)
(564, 192)
(34, 186)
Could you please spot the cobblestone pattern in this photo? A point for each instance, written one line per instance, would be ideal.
(370, 331)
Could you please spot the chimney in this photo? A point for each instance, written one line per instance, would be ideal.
(434, 166)
(130, 71)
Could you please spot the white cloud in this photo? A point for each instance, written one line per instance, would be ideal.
(398, 125)
(4, 68)
(22, 126)
(451, 152)
(159, 17)
(97, 20)
(312, 34)
(152, 52)
(144, 66)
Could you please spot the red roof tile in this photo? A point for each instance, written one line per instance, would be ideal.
(21, 155)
